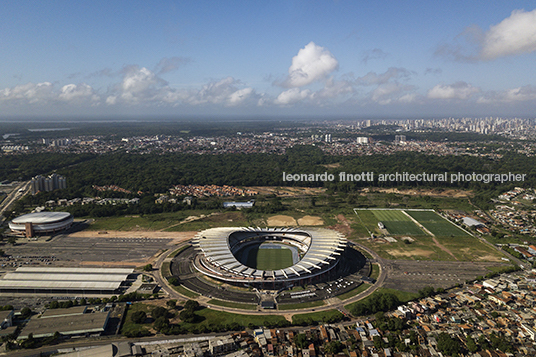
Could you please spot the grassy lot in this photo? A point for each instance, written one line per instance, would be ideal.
(166, 272)
(150, 222)
(437, 224)
(128, 325)
(270, 259)
(375, 271)
(354, 292)
(235, 305)
(403, 296)
(303, 305)
(221, 318)
(321, 316)
(222, 219)
(181, 289)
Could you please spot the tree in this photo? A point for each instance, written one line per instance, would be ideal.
(173, 280)
(25, 312)
(148, 267)
(171, 304)
(191, 305)
(333, 347)
(12, 240)
(138, 317)
(301, 340)
(159, 312)
(187, 315)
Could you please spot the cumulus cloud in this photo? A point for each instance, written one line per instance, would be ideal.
(333, 89)
(79, 92)
(225, 91)
(458, 90)
(389, 92)
(46, 93)
(312, 63)
(239, 97)
(138, 85)
(513, 95)
(30, 93)
(170, 64)
(514, 35)
(292, 96)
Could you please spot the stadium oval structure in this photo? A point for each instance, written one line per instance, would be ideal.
(319, 248)
(41, 222)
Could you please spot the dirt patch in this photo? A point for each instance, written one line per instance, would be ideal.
(488, 258)
(428, 192)
(175, 237)
(310, 221)
(288, 191)
(281, 220)
(414, 252)
(343, 226)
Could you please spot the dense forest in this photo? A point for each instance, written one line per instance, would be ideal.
(157, 173)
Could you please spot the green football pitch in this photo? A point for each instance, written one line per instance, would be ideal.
(397, 223)
(269, 259)
(437, 224)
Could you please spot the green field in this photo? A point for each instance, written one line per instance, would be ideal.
(269, 259)
(395, 221)
(436, 224)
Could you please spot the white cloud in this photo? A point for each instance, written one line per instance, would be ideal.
(79, 92)
(292, 96)
(513, 95)
(512, 36)
(334, 89)
(239, 96)
(312, 63)
(30, 93)
(458, 90)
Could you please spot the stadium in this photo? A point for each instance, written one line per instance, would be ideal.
(41, 223)
(268, 258)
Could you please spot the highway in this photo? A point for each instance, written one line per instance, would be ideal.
(14, 195)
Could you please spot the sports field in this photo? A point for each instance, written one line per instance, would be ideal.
(269, 259)
(436, 224)
(397, 223)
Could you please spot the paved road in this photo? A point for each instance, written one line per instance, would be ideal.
(14, 195)
(203, 300)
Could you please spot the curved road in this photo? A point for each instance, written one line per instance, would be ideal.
(203, 300)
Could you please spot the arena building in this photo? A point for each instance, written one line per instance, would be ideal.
(32, 224)
(268, 258)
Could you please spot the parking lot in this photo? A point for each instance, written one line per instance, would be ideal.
(413, 275)
(67, 250)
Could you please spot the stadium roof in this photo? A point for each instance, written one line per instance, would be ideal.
(41, 217)
(324, 246)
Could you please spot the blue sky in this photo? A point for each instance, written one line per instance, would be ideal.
(271, 58)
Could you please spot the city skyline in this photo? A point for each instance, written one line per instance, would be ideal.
(352, 59)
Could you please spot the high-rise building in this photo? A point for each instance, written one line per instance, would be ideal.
(400, 138)
(362, 140)
(50, 183)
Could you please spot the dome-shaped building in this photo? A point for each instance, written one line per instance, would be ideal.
(37, 223)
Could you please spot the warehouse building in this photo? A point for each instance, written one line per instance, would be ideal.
(72, 281)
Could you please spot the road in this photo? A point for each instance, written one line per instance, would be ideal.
(14, 195)
(287, 313)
